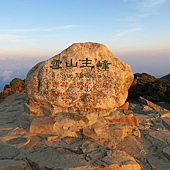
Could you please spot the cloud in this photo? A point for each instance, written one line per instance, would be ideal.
(2, 58)
(148, 5)
(144, 9)
(42, 29)
(127, 31)
(23, 35)
(6, 75)
(11, 38)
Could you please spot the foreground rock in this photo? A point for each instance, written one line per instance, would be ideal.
(86, 140)
(114, 140)
(14, 165)
(83, 76)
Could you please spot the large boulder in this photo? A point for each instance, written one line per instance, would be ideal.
(83, 76)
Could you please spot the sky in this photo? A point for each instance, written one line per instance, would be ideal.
(135, 31)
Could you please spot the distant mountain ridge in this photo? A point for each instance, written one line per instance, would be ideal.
(149, 87)
(16, 85)
(166, 77)
(141, 78)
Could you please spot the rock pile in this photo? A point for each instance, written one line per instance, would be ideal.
(135, 136)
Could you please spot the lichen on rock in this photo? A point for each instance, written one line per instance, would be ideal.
(83, 76)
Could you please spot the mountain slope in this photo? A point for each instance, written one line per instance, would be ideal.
(149, 87)
(166, 77)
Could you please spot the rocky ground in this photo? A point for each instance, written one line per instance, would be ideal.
(135, 136)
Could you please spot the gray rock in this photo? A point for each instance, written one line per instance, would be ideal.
(14, 165)
(120, 160)
(8, 152)
(163, 114)
(166, 152)
(166, 123)
(150, 104)
(131, 146)
(58, 158)
(156, 163)
(18, 140)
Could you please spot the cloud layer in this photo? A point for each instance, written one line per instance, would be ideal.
(6, 75)
(146, 4)
(149, 4)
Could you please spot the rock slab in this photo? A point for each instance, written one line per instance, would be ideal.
(83, 76)
(14, 165)
(80, 140)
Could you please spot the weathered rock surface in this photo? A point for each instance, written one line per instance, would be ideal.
(86, 140)
(83, 140)
(150, 104)
(14, 165)
(83, 76)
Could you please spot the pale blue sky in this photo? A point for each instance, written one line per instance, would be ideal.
(136, 31)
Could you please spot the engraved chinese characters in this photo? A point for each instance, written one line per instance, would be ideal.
(56, 64)
(85, 75)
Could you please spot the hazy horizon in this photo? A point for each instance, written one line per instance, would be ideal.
(137, 32)
(18, 68)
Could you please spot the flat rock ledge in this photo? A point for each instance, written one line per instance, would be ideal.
(132, 137)
(14, 165)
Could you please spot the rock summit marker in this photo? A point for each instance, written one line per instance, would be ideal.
(83, 76)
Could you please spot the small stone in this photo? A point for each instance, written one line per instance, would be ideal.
(157, 163)
(125, 106)
(45, 111)
(74, 129)
(163, 114)
(120, 160)
(128, 119)
(97, 126)
(128, 112)
(89, 134)
(133, 131)
(166, 152)
(168, 141)
(117, 131)
(42, 125)
(52, 138)
(150, 104)
(70, 140)
(17, 131)
(90, 146)
(34, 140)
(24, 121)
(110, 133)
(18, 140)
(161, 135)
(166, 122)
(131, 146)
(108, 142)
(77, 117)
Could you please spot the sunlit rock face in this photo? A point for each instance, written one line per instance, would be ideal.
(83, 76)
